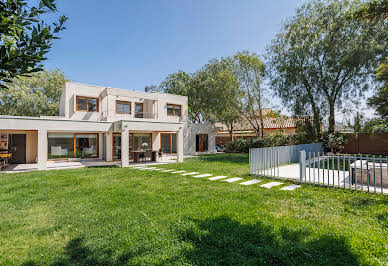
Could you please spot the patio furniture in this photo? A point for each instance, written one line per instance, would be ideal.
(160, 153)
(148, 154)
(4, 156)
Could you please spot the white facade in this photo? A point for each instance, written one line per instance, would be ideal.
(109, 123)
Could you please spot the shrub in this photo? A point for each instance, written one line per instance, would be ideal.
(334, 142)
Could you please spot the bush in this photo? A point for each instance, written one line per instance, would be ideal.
(278, 138)
(334, 142)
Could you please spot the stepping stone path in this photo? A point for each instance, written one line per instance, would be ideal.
(229, 180)
(234, 179)
(192, 173)
(271, 184)
(203, 175)
(217, 177)
(250, 182)
(168, 170)
(291, 187)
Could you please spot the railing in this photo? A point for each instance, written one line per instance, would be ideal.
(352, 171)
(146, 115)
(260, 158)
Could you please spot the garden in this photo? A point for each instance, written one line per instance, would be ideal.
(111, 215)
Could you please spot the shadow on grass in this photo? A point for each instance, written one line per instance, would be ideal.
(76, 253)
(226, 157)
(223, 241)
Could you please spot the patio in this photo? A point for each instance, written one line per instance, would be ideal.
(61, 165)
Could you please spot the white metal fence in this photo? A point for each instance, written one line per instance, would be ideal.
(307, 163)
(261, 159)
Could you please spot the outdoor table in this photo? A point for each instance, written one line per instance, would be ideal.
(136, 156)
(4, 159)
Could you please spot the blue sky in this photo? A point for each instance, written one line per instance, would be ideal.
(133, 43)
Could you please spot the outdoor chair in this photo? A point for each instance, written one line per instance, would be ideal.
(148, 154)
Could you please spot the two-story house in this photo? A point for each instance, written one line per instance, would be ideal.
(106, 124)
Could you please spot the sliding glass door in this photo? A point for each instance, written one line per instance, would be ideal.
(168, 142)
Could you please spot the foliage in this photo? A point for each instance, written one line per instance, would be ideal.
(321, 58)
(25, 36)
(123, 216)
(376, 125)
(334, 142)
(380, 100)
(36, 95)
(222, 90)
(182, 83)
(371, 10)
(249, 70)
(278, 138)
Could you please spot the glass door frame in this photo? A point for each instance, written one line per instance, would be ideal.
(171, 147)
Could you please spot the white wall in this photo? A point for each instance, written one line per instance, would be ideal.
(189, 133)
(153, 103)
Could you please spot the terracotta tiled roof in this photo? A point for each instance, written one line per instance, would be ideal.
(269, 123)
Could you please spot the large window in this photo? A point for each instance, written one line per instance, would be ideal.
(201, 143)
(168, 142)
(86, 145)
(139, 109)
(69, 145)
(60, 145)
(139, 139)
(174, 109)
(123, 107)
(87, 104)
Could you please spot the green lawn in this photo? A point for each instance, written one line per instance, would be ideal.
(103, 216)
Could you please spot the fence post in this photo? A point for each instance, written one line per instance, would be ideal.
(302, 165)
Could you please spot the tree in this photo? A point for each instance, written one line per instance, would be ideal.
(36, 95)
(321, 58)
(182, 83)
(25, 37)
(375, 9)
(380, 100)
(249, 70)
(223, 92)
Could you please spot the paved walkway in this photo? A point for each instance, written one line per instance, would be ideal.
(223, 178)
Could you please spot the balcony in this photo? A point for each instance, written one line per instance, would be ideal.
(146, 115)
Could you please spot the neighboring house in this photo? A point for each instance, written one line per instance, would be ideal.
(243, 129)
(106, 123)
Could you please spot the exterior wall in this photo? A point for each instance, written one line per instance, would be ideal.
(193, 129)
(154, 104)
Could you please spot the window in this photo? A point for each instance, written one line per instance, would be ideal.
(72, 145)
(168, 142)
(139, 139)
(174, 109)
(60, 145)
(139, 110)
(201, 143)
(87, 104)
(123, 107)
(86, 145)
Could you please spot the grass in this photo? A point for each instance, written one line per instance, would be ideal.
(104, 216)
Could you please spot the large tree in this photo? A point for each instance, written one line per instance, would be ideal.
(25, 37)
(36, 95)
(249, 70)
(222, 89)
(321, 58)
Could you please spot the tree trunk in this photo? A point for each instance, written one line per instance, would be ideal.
(331, 118)
(231, 133)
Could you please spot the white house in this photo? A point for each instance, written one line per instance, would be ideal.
(106, 124)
